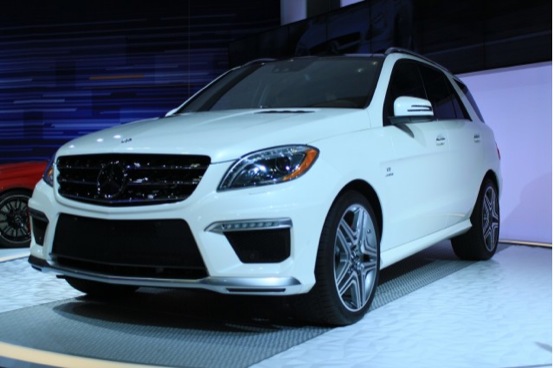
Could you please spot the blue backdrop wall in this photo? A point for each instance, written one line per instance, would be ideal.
(71, 67)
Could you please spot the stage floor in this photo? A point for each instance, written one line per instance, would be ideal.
(431, 310)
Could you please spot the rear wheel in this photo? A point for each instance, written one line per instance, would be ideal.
(100, 289)
(481, 241)
(347, 265)
(14, 219)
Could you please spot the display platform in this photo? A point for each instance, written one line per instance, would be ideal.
(180, 328)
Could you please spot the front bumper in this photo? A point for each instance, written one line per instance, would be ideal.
(211, 216)
(225, 285)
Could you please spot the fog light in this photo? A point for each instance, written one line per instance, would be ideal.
(247, 225)
(257, 241)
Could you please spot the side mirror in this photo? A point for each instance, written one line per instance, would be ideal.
(412, 109)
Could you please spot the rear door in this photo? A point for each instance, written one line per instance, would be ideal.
(462, 174)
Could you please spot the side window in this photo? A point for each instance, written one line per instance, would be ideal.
(469, 97)
(405, 81)
(443, 97)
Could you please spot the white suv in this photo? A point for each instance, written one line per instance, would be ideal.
(304, 176)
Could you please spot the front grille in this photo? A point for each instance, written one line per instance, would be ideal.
(133, 248)
(129, 179)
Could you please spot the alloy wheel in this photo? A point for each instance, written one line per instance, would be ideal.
(355, 257)
(491, 219)
(14, 219)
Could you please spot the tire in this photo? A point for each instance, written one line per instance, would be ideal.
(481, 241)
(15, 229)
(347, 264)
(99, 289)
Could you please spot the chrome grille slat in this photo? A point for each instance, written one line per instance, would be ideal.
(81, 182)
(129, 179)
(150, 184)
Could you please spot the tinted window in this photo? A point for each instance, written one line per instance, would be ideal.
(445, 101)
(303, 82)
(468, 95)
(405, 81)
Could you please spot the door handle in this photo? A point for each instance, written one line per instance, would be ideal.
(440, 140)
(477, 137)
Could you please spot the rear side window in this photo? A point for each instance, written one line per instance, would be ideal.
(469, 97)
(443, 97)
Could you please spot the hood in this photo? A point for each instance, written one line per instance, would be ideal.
(222, 135)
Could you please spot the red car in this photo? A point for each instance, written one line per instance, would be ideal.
(17, 182)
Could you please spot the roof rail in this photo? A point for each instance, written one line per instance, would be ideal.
(399, 50)
(258, 61)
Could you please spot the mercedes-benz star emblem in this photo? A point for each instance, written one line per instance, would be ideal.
(111, 180)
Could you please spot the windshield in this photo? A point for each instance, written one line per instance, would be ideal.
(343, 82)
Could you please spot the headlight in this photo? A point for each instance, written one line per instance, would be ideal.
(48, 175)
(270, 166)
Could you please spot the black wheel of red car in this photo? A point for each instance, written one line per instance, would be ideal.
(481, 241)
(15, 230)
(347, 265)
(99, 289)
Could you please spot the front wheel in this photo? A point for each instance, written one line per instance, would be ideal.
(481, 241)
(347, 265)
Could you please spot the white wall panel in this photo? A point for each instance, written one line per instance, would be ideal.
(348, 2)
(517, 103)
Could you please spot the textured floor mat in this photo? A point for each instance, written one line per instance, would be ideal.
(193, 328)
